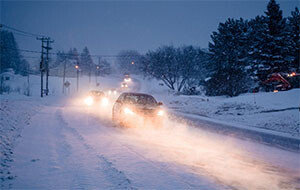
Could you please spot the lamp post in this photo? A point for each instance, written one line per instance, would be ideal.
(77, 72)
(97, 73)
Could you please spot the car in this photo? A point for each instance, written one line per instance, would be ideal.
(96, 96)
(112, 92)
(131, 108)
(124, 85)
(127, 78)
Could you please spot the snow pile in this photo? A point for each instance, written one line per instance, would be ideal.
(272, 111)
(15, 114)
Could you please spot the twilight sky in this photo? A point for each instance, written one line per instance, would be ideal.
(107, 27)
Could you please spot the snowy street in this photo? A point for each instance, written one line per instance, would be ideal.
(150, 95)
(68, 146)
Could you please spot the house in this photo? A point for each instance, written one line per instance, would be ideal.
(7, 75)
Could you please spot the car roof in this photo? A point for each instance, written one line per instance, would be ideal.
(135, 93)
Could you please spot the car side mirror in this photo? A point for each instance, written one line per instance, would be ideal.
(160, 103)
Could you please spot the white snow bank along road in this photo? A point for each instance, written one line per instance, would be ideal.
(188, 153)
(15, 115)
(272, 111)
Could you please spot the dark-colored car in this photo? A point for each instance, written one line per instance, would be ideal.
(96, 95)
(130, 108)
(127, 78)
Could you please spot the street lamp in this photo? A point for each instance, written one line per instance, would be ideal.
(97, 73)
(77, 72)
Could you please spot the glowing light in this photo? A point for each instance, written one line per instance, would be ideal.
(109, 92)
(291, 74)
(275, 91)
(76, 67)
(127, 79)
(128, 111)
(115, 92)
(160, 113)
(104, 101)
(89, 101)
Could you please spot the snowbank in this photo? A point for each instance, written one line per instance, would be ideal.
(272, 111)
(15, 115)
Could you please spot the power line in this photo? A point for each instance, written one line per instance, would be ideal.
(21, 31)
(67, 54)
(22, 50)
(21, 34)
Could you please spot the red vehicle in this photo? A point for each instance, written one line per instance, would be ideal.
(281, 81)
(277, 82)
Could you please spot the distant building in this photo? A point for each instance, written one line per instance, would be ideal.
(8, 74)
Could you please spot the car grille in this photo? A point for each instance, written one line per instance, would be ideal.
(148, 112)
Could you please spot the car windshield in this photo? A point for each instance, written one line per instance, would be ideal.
(140, 99)
(97, 93)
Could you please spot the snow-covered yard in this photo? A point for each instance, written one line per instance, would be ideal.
(272, 111)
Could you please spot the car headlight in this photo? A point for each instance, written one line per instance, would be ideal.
(109, 92)
(89, 101)
(160, 113)
(128, 111)
(115, 92)
(104, 101)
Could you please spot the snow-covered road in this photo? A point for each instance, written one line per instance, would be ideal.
(70, 146)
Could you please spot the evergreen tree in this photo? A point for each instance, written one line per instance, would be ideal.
(294, 34)
(271, 47)
(257, 30)
(73, 56)
(86, 62)
(228, 74)
(9, 54)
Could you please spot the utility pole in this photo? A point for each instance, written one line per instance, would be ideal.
(44, 67)
(64, 76)
(28, 83)
(47, 63)
(97, 70)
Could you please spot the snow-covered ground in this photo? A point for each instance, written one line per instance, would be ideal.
(272, 111)
(56, 142)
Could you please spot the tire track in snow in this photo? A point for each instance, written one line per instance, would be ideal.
(159, 167)
(118, 177)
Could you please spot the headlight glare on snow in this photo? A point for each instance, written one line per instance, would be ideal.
(89, 101)
(160, 113)
(128, 111)
(104, 101)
